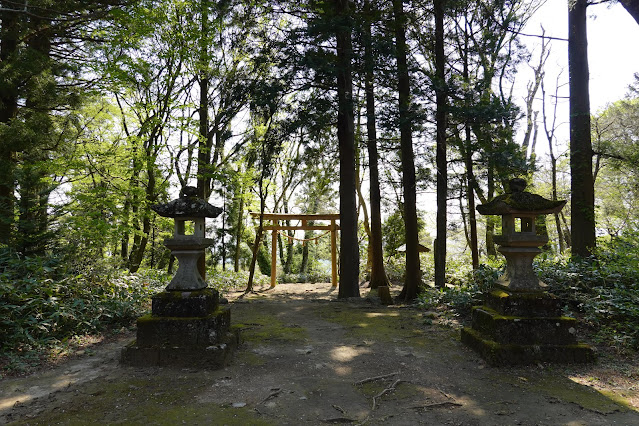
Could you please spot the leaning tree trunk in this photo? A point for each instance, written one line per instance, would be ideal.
(581, 181)
(378, 274)
(238, 233)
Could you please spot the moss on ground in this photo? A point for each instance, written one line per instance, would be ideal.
(384, 325)
(584, 396)
(563, 389)
(259, 325)
(140, 400)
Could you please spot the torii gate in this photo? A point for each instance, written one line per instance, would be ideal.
(275, 218)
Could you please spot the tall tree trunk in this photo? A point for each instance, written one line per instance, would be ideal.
(204, 146)
(378, 274)
(34, 192)
(581, 181)
(9, 34)
(470, 174)
(349, 248)
(442, 171)
(412, 282)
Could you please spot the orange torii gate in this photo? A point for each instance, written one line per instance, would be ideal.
(275, 227)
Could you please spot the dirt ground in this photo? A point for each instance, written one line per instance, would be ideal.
(308, 358)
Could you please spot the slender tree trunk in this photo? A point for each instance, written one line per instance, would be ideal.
(470, 197)
(238, 233)
(442, 171)
(258, 239)
(366, 221)
(204, 146)
(378, 274)
(490, 221)
(581, 182)
(349, 249)
(566, 230)
(553, 165)
(470, 175)
(313, 208)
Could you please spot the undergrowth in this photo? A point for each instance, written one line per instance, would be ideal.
(602, 290)
(47, 303)
(225, 280)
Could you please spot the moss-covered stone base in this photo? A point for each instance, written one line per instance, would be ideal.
(213, 357)
(184, 329)
(524, 328)
(198, 303)
(180, 331)
(501, 354)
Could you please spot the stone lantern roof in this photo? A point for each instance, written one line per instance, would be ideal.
(187, 206)
(517, 201)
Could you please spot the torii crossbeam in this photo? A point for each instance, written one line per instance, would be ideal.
(274, 227)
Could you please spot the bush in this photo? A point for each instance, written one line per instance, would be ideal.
(464, 288)
(223, 281)
(603, 288)
(45, 302)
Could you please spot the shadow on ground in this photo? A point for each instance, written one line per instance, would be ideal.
(307, 358)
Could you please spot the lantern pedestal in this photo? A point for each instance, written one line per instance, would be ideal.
(523, 328)
(184, 329)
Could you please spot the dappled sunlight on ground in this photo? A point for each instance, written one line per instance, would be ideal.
(347, 353)
(308, 358)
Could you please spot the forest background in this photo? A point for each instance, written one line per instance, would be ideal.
(373, 109)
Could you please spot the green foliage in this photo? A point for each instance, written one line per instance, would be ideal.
(224, 281)
(314, 275)
(45, 302)
(603, 288)
(394, 232)
(464, 289)
(615, 135)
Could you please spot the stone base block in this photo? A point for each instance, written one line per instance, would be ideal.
(501, 354)
(183, 331)
(524, 330)
(523, 304)
(197, 303)
(212, 357)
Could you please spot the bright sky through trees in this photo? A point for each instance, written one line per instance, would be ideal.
(612, 37)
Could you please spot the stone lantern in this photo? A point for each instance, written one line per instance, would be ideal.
(519, 241)
(520, 322)
(188, 248)
(187, 325)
